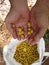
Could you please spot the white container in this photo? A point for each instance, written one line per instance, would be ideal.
(9, 50)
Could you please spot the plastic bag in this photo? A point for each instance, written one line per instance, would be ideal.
(9, 50)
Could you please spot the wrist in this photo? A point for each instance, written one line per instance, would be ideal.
(17, 4)
(18, 1)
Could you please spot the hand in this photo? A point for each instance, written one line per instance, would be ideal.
(18, 15)
(41, 18)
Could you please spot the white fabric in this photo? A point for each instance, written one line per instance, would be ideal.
(4, 9)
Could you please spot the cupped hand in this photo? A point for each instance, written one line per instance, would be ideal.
(17, 17)
(39, 15)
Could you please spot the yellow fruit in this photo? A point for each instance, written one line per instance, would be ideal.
(24, 49)
(19, 33)
(29, 24)
(19, 29)
(29, 29)
(22, 36)
(22, 32)
(29, 33)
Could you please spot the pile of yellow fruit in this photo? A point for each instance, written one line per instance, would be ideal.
(26, 54)
(29, 30)
(21, 31)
